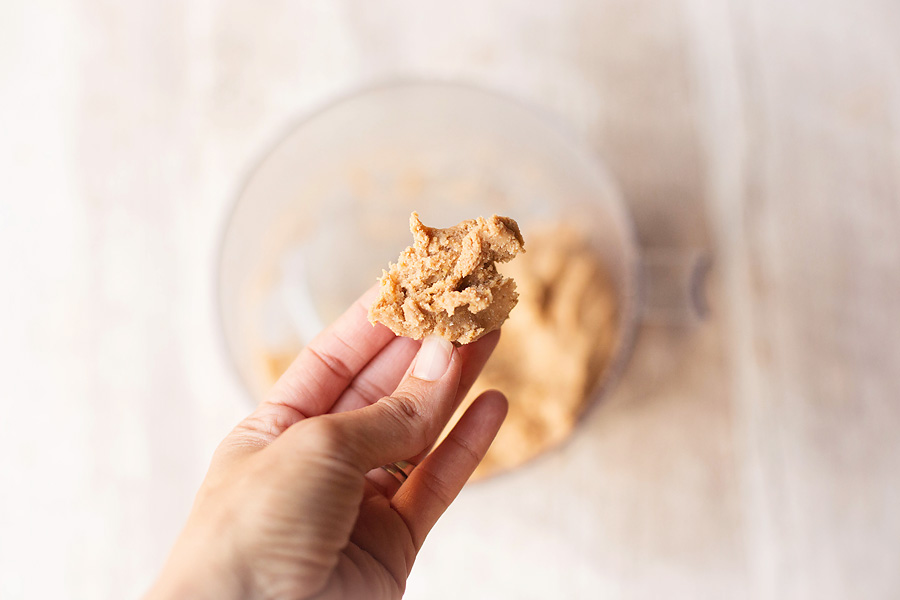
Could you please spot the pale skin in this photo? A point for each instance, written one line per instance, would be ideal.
(295, 504)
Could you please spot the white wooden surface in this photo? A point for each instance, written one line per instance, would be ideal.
(756, 456)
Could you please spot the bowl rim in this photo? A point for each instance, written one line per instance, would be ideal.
(629, 318)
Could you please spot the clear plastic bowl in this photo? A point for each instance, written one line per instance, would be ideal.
(326, 209)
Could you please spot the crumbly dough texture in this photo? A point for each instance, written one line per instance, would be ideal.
(554, 349)
(447, 283)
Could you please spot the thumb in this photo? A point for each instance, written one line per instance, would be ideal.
(408, 421)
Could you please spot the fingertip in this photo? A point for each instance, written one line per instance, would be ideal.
(494, 400)
(489, 339)
(491, 408)
(481, 349)
(369, 296)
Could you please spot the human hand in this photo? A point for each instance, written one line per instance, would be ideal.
(295, 504)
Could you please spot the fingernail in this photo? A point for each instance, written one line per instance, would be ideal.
(433, 358)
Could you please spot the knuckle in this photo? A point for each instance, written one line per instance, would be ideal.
(439, 488)
(406, 407)
(470, 455)
(324, 440)
(319, 434)
(333, 363)
(368, 390)
(407, 412)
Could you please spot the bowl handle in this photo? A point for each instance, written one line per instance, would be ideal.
(673, 286)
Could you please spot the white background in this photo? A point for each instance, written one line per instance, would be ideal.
(756, 456)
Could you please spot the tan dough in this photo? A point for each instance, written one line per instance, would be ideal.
(554, 348)
(447, 284)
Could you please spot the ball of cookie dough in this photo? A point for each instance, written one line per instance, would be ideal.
(447, 284)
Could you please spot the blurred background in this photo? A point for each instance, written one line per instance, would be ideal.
(752, 455)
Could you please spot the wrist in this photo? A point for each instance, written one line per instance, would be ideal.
(193, 571)
(188, 586)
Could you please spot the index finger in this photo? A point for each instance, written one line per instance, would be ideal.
(327, 365)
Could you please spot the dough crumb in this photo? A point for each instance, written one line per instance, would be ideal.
(447, 284)
(555, 348)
